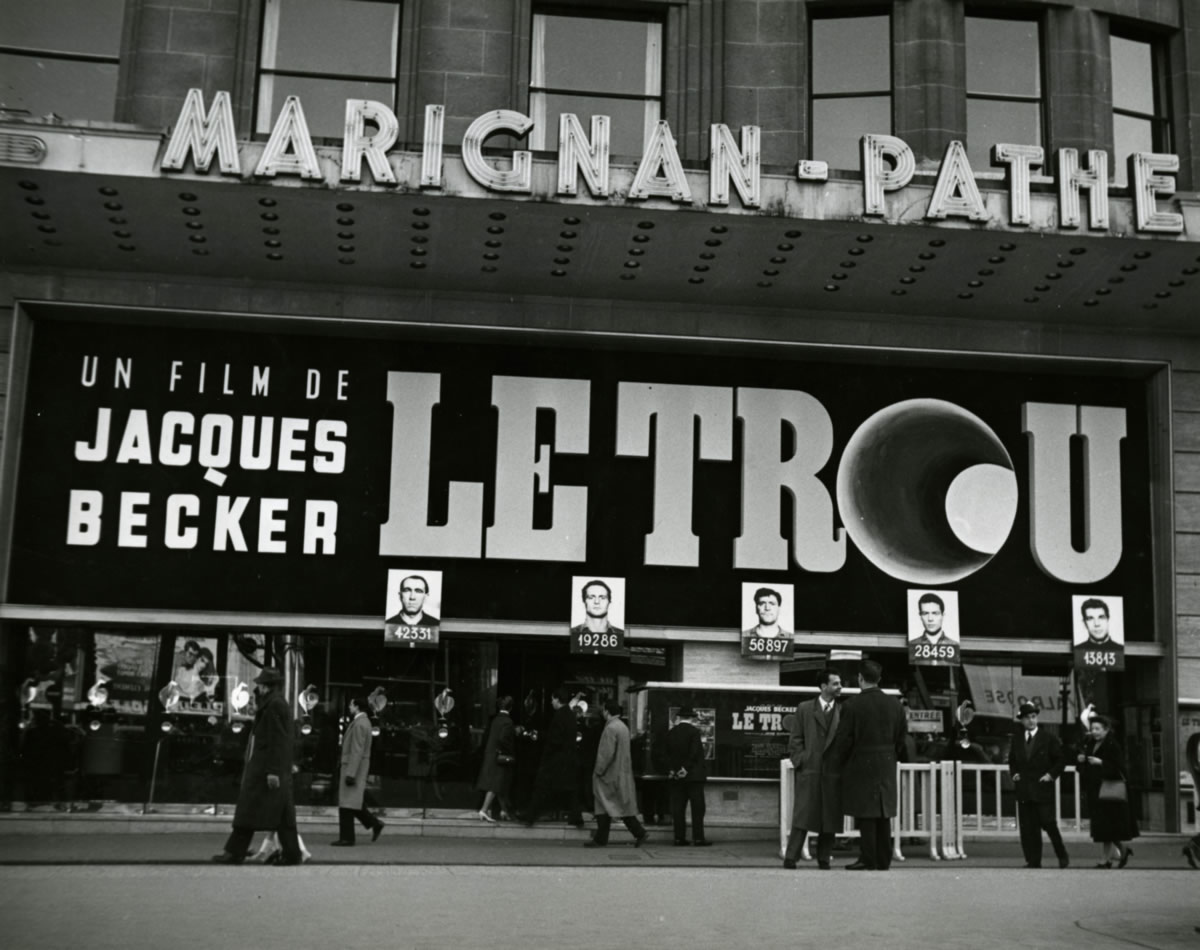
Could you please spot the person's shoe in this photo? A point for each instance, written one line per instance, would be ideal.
(681, 843)
(226, 858)
(702, 843)
(1064, 861)
(341, 843)
(859, 866)
(789, 864)
(593, 843)
(1033, 866)
(377, 831)
(273, 858)
(1125, 856)
(823, 865)
(1192, 853)
(484, 816)
(1105, 865)
(281, 863)
(640, 839)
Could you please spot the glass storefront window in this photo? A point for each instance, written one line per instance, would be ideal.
(160, 719)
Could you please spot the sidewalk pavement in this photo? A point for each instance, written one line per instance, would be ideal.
(413, 841)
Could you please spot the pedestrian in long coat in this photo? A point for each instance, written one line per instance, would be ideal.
(499, 761)
(355, 766)
(557, 779)
(816, 805)
(1110, 822)
(266, 802)
(612, 780)
(869, 744)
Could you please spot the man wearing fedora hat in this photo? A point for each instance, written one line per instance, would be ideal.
(265, 802)
(685, 761)
(1036, 762)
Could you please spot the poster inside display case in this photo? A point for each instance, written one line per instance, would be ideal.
(745, 728)
(125, 664)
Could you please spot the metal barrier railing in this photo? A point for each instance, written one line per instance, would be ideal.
(921, 787)
(986, 812)
(942, 802)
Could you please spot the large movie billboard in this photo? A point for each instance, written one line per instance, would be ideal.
(167, 464)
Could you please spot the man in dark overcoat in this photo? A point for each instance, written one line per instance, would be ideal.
(1035, 762)
(869, 744)
(685, 764)
(265, 802)
(817, 803)
(557, 779)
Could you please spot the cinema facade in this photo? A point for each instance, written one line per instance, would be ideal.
(282, 347)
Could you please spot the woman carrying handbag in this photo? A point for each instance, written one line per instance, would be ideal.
(1102, 768)
(499, 759)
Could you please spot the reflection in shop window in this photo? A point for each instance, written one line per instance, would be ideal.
(1004, 85)
(60, 57)
(1140, 115)
(589, 66)
(325, 52)
(851, 85)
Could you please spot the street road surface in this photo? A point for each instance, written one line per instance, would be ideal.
(414, 907)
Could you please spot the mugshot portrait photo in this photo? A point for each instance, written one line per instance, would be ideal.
(1098, 631)
(932, 620)
(597, 614)
(412, 608)
(768, 620)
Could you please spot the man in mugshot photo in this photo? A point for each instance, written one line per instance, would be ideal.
(932, 611)
(413, 591)
(766, 604)
(597, 599)
(1095, 621)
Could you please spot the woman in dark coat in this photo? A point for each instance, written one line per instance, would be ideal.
(1111, 821)
(499, 758)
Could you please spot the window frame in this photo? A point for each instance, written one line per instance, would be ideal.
(1041, 100)
(655, 69)
(62, 55)
(265, 75)
(853, 13)
(1162, 132)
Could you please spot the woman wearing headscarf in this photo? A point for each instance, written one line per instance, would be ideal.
(1101, 761)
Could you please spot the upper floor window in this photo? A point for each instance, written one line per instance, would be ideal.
(60, 57)
(851, 85)
(588, 66)
(325, 52)
(1004, 85)
(1140, 115)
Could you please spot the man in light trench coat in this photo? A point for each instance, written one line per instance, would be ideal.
(612, 781)
(356, 764)
(817, 805)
